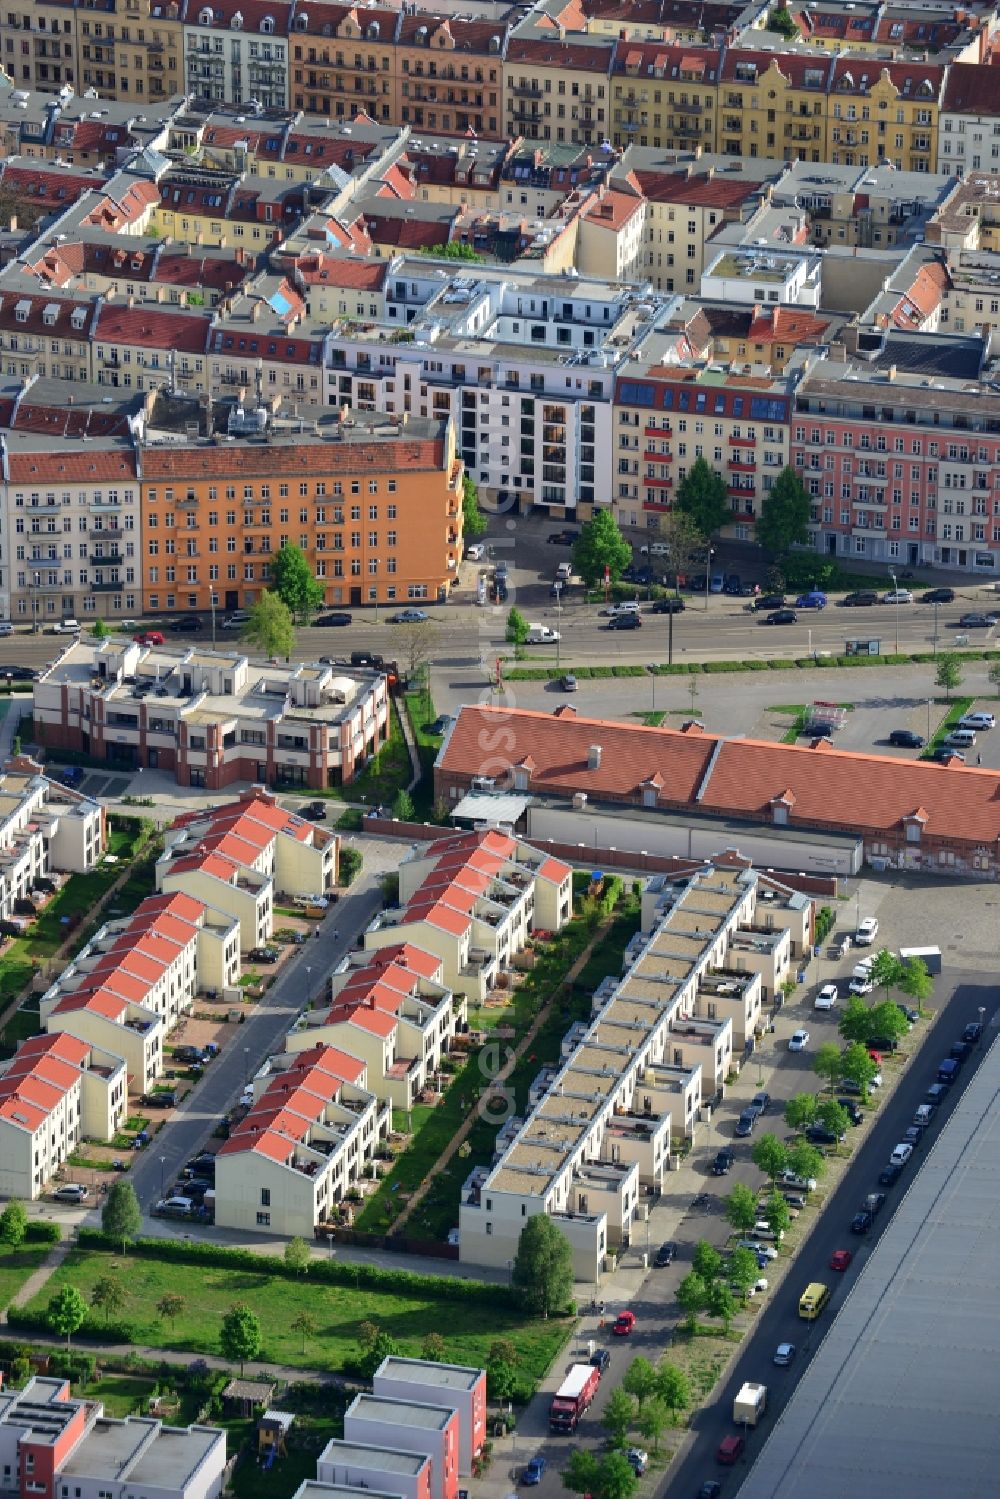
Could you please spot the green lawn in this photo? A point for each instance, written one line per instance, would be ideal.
(121, 1394)
(16, 1266)
(337, 1310)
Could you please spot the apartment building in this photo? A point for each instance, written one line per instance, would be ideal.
(342, 61)
(969, 219)
(45, 828)
(455, 1386)
(557, 90)
(667, 418)
(307, 1139)
(237, 51)
(146, 347)
(392, 1010)
(868, 206)
(888, 111)
(345, 1466)
(971, 296)
(410, 1426)
(968, 123)
(44, 334)
(448, 74)
(664, 95)
(54, 1091)
(376, 500)
(124, 48)
(660, 1039)
(940, 31)
(471, 901)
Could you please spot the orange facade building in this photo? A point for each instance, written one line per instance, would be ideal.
(374, 502)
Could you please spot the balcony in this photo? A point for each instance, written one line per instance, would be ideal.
(526, 90)
(108, 559)
(43, 507)
(115, 587)
(649, 456)
(108, 504)
(734, 438)
(101, 535)
(743, 463)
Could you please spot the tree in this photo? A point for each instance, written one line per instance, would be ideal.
(293, 581)
(886, 970)
(503, 1351)
(108, 1296)
(66, 1312)
(826, 1062)
(887, 1019)
(100, 629)
(949, 673)
(432, 1349)
(833, 1116)
(855, 1022)
(297, 1255)
(473, 519)
(601, 545)
(416, 643)
(770, 1155)
(993, 672)
(858, 1067)
(619, 1413)
(701, 494)
(640, 1380)
(741, 1209)
(580, 1475)
(800, 1110)
(239, 1335)
(305, 1326)
(616, 1477)
(382, 1346)
(684, 540)
(543, 1266)
(270, 627)
(692, 1294)
(806, 1161)
(403, 809)
(916, 982)
(672, 1385)
(785, 513)
(707, 1261)
(517, 627)
(121, 1217)
(170, 1306)
(743, 1270)
(721, 1303)
(13, 1224)
(777, 1214)
(781, 21)
(654, 1419)
(501, 1379)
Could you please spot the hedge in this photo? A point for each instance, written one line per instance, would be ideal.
(39, 1232)
(101, 1332)
(333, 1272)
(710, 668)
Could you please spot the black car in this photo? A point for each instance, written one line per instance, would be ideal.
(367, 658)
(937, 596)
(851, 1109)
(761, 1102)
(665, 1255)
(943, 754)
(315, 812)
(264, 954)
(18, 673)
(818, 1134)
(331, 620)
(889, 1175)
(201, 1165)
(861, 1222)
(771, 601)
(972, 1032)
(668, 606)
(863, 599)
(732, 585)
(563, 538)
(185, 624)
(846, 1086)
(745, 1123)
(911, 1014)
(912, 1135)
(625, 622)
(820, 730)
(936, 1094)
(906, 739)
(960, 1051)
(977, 621)
(636, 573)
(781, 617)
(600, 1360)
(883, 1043)
(723, 1163)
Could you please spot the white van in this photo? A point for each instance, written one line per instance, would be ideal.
(961, 738)
(541, 635)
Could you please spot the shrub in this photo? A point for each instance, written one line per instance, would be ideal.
(39, 1232)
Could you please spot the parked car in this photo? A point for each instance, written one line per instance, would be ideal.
(761, 1102)
(906, 739)
(729, 1451)
(972, 1031)
(851, 1109)
(412, 616)
(889, 1175)
(798, 1040)
(943, 753)
(911, 1014)
(897, 596)
(758, 1247)
(625, 622)
(638, 1460)
(71, 1192)
(476, 552)
(185, 624)
(532, 1474)
(976, 621)
(264, 954)
(314, 812)
(614, 611)
(672, 605)
(562, 538)
(814, 599)
(977, 721)
(67, 626)
(912, 1135)
(938, 596)
(867, 932)
(149, 637)
(568, 683)
(654, 549)
(174, 1207)
(859, 985)
(780, 617)
(861, 1223)
(441, 724)
(723, 1163)
(623, 1324)
(771, 601)
(600, 1360)
(936, 1094)
(901, 1154)
(827, 997)
(326, 621)
(745, 1124)
(818, 1134)
(800, 1183)
(665, 1255)
(863, 598)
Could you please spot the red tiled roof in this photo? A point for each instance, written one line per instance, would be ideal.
(427, 964)
(34, 321)
(970, 88)
(253, 12)
(700, 190)
(82, 467)
(611, 210)
(317, 458)
(146, 327)
(60, 1044)
(554, 870)
(469, 36)
(792, 325)
(832, 788)
(552, 53)
(46, 188)
(912, 81)
(376, 1021)
(347, 271)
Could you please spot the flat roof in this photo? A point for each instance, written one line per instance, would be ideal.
(422, 1372)
(901, 1395)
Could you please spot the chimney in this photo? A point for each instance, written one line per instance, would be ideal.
(891, 372)
(594, 757)
(255, 311)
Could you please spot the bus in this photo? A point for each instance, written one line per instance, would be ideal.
(813, 1299)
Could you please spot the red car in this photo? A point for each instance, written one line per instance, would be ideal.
(840, 1259)
(624, 1323)
(876, 1056)
(149, 637)
(729, 1450)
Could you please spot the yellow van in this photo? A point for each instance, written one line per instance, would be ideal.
(813, 1299)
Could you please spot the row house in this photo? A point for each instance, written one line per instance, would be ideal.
(411, 1425)
(666, 418)
(237, 51)
(73, 518)
(664, 95)
(39, 189)
(227, 210)
(373, 502)
(659, 1040)
(456, 1386)
(867, 27)
(54, 1091)
(263, 328)
(126, 49)
(307, 1139)
(343, 1467)
(393, 1011)
(45, 828)
(558, 90)
(147, 270)
(212, 718)
(45, 334)
(138, 345)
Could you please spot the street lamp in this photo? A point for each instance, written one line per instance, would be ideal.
(163, 1162)
(895, 599)
(708, 573)
(651, 668)
(36, 579)
(558, 622)
(308, 983)
(982, 1022)
(246, 1065)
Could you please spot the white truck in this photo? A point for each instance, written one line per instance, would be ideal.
(541, 635)
(750, 1403)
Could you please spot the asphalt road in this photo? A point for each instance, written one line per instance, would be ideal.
(778, 1320)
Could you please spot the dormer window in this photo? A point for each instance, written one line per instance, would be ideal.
(267, 25)
(302, 21)
(236, 24)
(205, 17)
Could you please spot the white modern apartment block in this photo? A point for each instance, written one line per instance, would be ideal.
(458, 1386)
(524, 365)
(73, 527)
(54, 1091)
(44, 828)
(635, 1076)
(306, 1140)
(764, 275)
(345, 1466)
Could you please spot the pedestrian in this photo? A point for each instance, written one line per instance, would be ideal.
(979, 759)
